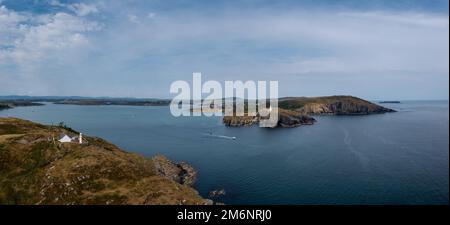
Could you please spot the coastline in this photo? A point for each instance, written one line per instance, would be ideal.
(95, 172)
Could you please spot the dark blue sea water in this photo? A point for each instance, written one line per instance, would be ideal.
(394, 158)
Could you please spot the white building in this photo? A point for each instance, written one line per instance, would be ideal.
(65, 139)
(80, 138)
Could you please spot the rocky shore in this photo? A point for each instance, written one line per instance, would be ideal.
(289, 118)
(286, 118)
(181, 173)
(239, 121)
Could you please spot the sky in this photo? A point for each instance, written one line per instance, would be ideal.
(379, 50)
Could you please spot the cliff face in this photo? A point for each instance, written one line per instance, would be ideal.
(293, 119)
(181, 173)
(36, 169)
(239, 121)
(286, 118)
(332, 105)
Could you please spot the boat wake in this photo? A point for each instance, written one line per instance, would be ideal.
(211, 135)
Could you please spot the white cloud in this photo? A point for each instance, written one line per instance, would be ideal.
(9, 26)
(133, 18)
(319, 41)
(63, 31)
(30, 41)
(410, 18)
(404, 48)
(81, 9)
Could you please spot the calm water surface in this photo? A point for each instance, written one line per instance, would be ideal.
(394, 158)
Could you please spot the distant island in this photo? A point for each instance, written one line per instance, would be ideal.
(17, 103)
(297, 111)
(35, 168)
(389, 102)
(114, 102)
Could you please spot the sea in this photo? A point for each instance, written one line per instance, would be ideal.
(391, 158)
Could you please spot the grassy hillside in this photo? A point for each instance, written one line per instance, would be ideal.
(35, 169)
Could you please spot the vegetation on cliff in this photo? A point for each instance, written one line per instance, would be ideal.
(36, 169)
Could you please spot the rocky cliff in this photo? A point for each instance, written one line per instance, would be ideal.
(239, 121)
(289, 118)
(37, 169)
(286, 118)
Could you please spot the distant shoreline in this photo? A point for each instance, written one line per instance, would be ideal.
(11, 102)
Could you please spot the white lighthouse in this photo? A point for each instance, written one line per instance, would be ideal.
(80, 138)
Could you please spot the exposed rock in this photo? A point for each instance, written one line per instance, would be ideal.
(208, 202)
(239, 121)
(293, 119)
(286, 118)
(216, 193)
(181, 173)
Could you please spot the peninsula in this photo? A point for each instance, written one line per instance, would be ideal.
(7, 102)
(297, 111)
(16, 103)
(35, 168)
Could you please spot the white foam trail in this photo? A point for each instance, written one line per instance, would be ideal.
(220, 136)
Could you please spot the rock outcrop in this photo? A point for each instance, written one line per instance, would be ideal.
(286, 118)
(289, 118)
(182, 172)
(217, 193)
(36, 169)
(239, 121)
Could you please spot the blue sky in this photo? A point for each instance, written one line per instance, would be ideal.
(372, 49)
